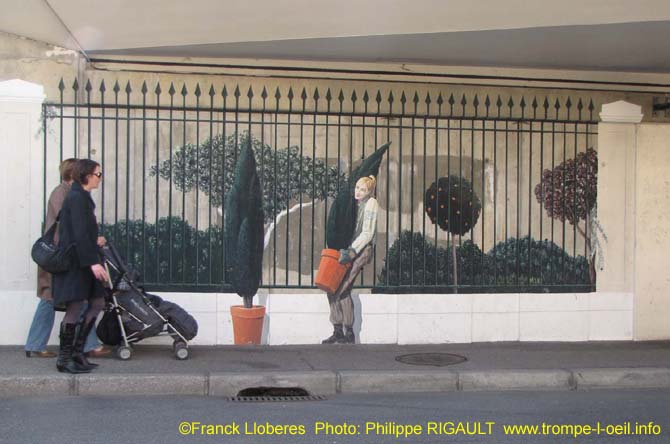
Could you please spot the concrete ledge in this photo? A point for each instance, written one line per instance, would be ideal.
(515, 380)
(141, 384)
(315, 382)
(37, 385)
(597, 378)
(392, 381)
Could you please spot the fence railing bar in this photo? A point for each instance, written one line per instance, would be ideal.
(574, 203)
(274, 188)
(144, 182)
(553, 189)
(128, 243)
(360, 126)
(483, 199)
(46, 106)
(472, 182)
(44, 167)
(256, 110)
(288, 184)
(402, 107)
(312, 226)
(388, 194)
(300, 186)
(88, 117)
(171, 92)
(158, 91)
(437, 176)
(224, 99)
(184, 246)
(423, 188)
(116, 90)
(374, 248)
(530, 202)
(495, 201)
(518, 205)
(102, 154)
(542, 134)
(411, 192)
(210, 258)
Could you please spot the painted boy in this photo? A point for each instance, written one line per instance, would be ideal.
(360, 253)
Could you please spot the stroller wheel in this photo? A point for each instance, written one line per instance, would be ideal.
(124, 353)
(180, 350)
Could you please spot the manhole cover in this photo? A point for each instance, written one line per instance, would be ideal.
(435, 359)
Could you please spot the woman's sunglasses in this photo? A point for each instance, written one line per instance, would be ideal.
(98, 175)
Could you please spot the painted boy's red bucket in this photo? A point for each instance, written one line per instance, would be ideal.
(331, 272)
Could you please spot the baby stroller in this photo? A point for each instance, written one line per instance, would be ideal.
(132, 315)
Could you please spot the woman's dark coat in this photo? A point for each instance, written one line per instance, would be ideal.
(79, 226)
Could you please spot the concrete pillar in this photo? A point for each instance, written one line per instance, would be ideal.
(652, 239)
(21, 189)
(616, 196)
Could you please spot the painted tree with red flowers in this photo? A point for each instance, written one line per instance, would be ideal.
(569, 192)
(452, 204)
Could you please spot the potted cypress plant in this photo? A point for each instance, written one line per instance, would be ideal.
(342, 224)
(244, 247)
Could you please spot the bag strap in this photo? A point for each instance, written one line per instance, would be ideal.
(51, 232)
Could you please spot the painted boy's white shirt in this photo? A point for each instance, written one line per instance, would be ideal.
(366, 225)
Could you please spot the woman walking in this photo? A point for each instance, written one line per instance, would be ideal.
(82, 282)
(43, 320)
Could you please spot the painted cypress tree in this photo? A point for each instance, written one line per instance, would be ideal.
(453, 205)
(342, 215)
(244, 228)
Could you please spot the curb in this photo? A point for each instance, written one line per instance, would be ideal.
(478, 380)
(38, 385)
(604, 378)
(388, 381)
(331, 382)
(140, 384)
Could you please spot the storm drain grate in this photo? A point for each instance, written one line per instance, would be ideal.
(275, 394)
(276, 398)
(434, 359)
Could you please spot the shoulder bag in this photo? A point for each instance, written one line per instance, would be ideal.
(51, 257)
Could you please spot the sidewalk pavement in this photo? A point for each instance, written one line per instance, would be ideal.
(331, 369)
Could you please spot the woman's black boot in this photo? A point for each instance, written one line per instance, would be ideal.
(84, 328)
(65, 363)
(337, 336)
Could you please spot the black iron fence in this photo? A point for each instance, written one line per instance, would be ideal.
(487, 194)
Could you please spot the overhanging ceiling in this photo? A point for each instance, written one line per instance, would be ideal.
(635, 47)
(595, 35)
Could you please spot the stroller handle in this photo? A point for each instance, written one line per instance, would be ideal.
(112, 253)
(109, 276)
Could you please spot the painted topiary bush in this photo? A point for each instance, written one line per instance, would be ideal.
(452, 203)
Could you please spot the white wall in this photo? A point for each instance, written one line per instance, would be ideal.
(395, 318)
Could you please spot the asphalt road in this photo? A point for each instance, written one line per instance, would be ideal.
(443, 418)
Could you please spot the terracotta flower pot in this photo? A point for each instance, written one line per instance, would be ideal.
(331, 272)
(247, 324)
